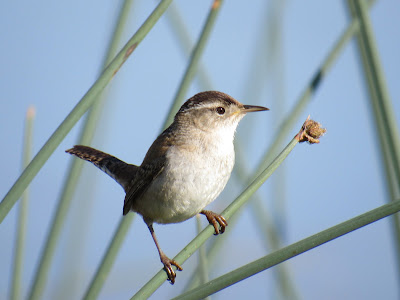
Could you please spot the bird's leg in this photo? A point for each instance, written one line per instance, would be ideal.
(168, 263)
(215, 220)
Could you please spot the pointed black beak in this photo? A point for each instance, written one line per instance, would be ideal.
(251, 108)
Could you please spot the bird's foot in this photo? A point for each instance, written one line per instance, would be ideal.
(168, 263)
(215, 219)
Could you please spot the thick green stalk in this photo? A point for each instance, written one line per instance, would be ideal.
(387, 129)
(290, 251)
(37, 163)
(297, 110)
(194, 61)
(74, 170)
(385, 121)
(16, 286)
(182, 256)
(41, 275)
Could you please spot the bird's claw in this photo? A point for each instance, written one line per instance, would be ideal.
(168, 263)
(215, 220)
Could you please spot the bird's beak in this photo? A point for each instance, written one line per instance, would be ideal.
(251, 108)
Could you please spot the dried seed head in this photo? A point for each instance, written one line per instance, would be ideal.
(310, 132)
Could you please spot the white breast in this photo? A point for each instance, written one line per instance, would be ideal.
(193, 177)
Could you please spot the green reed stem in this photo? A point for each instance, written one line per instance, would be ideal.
(87, 100)
(16, 286)
(290, 251)
(193, 62)
(182, 256)
(83, 105)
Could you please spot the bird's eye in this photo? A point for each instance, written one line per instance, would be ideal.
(220, 110)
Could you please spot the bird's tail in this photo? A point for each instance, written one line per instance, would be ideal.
(122, 172)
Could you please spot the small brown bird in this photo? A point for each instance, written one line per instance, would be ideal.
(185, 168)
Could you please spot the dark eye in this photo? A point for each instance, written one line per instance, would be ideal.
(220, 110)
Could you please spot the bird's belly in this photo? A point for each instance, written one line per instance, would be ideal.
(179, 193)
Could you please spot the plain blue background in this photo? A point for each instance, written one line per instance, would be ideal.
(51, 54)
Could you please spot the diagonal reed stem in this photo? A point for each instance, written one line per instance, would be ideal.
(185, 42)
(186, 252)
(194, 62)
(109, 258)
(290, 251)
(77, 236)
(292, 117)
(83, 105)
(310, 89)
(64, 203)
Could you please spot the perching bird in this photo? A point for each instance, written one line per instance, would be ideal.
(184, 170)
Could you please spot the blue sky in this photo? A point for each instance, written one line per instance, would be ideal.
(50, 56)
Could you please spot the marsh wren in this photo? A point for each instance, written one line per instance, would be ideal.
(184, 170)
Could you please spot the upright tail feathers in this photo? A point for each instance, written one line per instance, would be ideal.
(122, 172)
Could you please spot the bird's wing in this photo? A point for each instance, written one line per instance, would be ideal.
(139, 184)
(152, 166)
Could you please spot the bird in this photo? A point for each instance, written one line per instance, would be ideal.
(184, 170)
